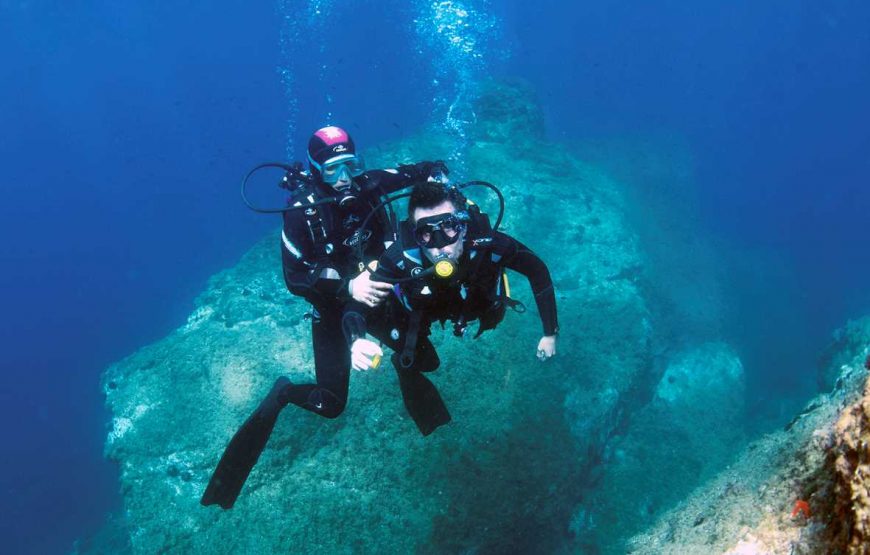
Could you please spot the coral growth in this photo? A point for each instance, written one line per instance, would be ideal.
(851, 467)
(801, 507)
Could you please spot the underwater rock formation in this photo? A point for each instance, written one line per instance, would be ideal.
(802, 490)
(505, 475)
(850, 522)
(687, 432)
(847, 343)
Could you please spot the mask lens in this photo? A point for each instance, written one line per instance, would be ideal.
(438, 233)
(346, 169)
(334, 173)
(356, 166)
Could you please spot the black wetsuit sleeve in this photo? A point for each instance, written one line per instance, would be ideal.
(521, 259)
(391, 180)
(306, 275)
(353, 321)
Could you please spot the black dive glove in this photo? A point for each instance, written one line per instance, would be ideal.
(437, 170)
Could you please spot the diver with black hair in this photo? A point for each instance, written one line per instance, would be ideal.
(460, 262)
(324, 253)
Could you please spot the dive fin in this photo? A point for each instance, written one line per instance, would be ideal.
(244, 449)
(422, 400)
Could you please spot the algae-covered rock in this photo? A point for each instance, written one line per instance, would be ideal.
(507, 473)
(690, 429)
(508, 115)
(850, 529)
(796, 491)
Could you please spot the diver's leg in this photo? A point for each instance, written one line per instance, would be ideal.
(425, 356)
(421, 397)
(328, 396)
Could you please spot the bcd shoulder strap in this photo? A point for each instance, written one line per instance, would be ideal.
(314, 221)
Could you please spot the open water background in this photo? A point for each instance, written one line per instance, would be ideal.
(126, 126)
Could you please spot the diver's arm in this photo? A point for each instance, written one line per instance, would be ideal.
(318, 284)
(401, 177)
(364, 353)
(353, 320)
(526, 262)
(316, 281)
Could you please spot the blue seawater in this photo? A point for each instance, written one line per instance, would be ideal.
(741, 128)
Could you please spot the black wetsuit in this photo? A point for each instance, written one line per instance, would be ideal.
(475, 292)
(319, 259)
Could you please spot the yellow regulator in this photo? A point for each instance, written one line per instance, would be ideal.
(444, 268)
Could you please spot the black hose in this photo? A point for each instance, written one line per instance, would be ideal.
(380, 277)
(359, 244)
(498, 192)
(286, 168)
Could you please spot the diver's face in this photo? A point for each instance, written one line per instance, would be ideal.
(343, 182)
(339, 174)
(452, 251)
(337, 177)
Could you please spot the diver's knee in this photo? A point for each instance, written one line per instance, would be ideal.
(333, 411)
(326, 403)
(420, 362)
(427, 361)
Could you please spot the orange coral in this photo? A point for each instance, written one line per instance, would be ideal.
(801, 506)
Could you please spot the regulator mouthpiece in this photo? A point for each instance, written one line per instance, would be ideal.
(445, 268)
(347, 199)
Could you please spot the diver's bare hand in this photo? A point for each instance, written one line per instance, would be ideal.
(365, 354)
(546, 347)
(368, 292)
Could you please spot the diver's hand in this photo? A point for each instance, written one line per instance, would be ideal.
(368, 292)
(546, 347)
(436, 171)
(363, 353)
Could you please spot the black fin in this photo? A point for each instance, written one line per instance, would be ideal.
(244, 449)
(422, 400)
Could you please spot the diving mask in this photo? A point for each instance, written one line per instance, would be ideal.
(343, 168)
(438, 231)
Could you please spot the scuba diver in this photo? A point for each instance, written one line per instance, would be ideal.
(324, 252)
(459, 261)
